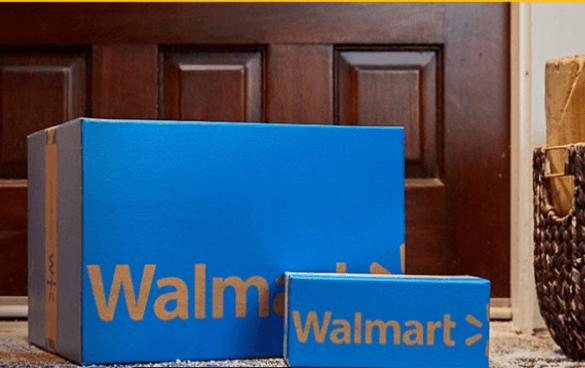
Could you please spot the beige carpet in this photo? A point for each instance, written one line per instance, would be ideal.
(507, 349)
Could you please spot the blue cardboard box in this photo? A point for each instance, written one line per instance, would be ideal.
(401, 321)
(155, 241)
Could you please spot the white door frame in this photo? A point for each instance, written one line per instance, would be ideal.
(525, 312)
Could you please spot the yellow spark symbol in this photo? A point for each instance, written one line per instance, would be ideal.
(403, 258)
(376, 268)
(475, 338)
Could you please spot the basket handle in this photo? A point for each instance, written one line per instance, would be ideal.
(542, 200)
(553, 148)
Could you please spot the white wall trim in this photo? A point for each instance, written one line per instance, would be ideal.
(13, 307)
(500, 309)
(525, 312)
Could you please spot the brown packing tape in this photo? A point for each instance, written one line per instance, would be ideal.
(564, 97)
(403, 258)
(51, 240)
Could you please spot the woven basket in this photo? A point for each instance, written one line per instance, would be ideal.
(559, 254)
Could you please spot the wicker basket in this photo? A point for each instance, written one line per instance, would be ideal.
(559, 253)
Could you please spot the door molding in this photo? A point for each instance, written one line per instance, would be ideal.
(13, 307)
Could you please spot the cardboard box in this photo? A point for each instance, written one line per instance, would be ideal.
(155, 241)
(386, 321)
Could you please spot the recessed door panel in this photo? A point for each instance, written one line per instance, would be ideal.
(215, 86)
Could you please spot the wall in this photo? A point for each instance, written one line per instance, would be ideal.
(557, 30)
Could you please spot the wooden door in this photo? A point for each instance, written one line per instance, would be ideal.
(439, 70)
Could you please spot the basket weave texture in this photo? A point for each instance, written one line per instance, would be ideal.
(559, 251)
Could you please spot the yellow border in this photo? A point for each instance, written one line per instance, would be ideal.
(287, 1)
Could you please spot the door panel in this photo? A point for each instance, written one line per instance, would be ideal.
(13, 267)
(439, 70)
(427, 247)
(394, 88)
(37, 89)
(399, 87)
(212, 85)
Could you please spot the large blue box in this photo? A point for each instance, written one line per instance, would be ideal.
(334, 320)
(153, 241)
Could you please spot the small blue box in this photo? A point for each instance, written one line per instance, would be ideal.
(334, 320)
(164, 240)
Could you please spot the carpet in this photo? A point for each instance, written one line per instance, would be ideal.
(508, 349)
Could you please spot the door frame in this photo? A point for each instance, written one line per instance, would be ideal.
(522, 286)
